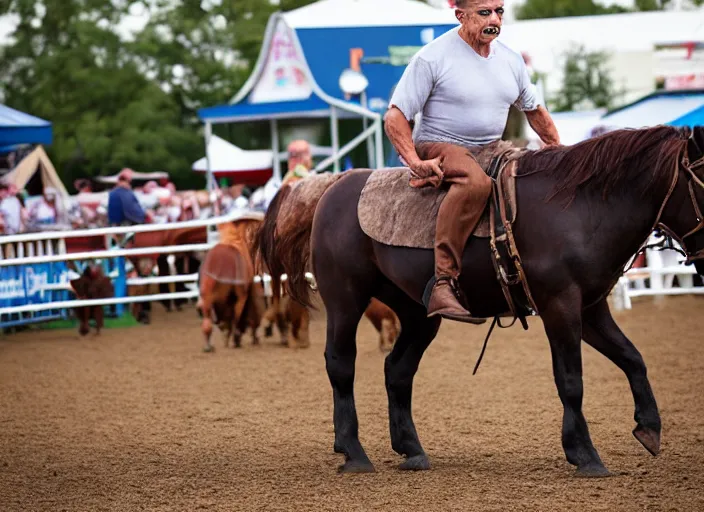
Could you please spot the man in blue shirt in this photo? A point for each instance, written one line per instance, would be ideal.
(123, 206)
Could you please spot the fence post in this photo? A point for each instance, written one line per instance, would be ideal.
(120, 283)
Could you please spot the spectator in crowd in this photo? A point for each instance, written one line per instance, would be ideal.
(190, 209)
(47, 209)
(10, 209)
(83, 186)
(300, 161)
(123, 207)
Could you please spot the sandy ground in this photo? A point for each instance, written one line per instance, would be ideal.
(140, 419)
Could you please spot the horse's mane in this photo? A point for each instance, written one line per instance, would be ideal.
(610, 163)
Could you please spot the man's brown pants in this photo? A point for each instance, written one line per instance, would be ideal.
(462, 207)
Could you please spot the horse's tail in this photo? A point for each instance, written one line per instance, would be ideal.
(282, 243)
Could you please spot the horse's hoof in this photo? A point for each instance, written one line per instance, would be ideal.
(415, 463)
(592, 471)
(356, 466)
(208, 349)
(648, 438)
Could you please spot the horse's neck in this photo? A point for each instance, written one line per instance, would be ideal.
(622, 222)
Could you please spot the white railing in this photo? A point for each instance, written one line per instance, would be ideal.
(123, 230)
(29, 248)
(663, 267)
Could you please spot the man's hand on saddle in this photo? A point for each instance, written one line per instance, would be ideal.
(427, 173)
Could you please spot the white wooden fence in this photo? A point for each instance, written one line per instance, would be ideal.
(31, 251)
(657, 278)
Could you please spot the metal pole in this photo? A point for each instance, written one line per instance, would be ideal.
(210, 183)
(379, 163)
(371, 155)
(335, 139)
(275, 148)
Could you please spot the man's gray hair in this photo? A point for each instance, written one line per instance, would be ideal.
(462, 4)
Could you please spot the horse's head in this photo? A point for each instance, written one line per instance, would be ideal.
(683, 216)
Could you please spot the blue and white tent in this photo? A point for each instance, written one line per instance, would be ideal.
(306, 51)
(674, 108)
(19, 128)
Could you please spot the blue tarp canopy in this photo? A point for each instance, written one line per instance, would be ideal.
(19, 128)
(694, 118)
(245, 111)
(675, 108)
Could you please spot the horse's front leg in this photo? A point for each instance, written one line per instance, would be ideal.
(400, 367)
(602, 333)
(563, 324)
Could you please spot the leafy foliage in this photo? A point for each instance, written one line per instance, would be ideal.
(587, 83)
(116, 102)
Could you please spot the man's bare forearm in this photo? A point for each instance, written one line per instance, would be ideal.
(398, 129)
(540, 120)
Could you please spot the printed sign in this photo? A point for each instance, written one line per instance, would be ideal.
(284, 77)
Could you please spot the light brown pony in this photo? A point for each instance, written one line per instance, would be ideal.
(288, 314)
(385, 322)
(227, 284)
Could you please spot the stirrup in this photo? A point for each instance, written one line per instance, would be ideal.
(454, 286)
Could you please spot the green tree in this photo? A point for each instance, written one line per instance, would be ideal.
(587, 82)
(534, 9)
(115, 103)
(651, 5)
(67, 65)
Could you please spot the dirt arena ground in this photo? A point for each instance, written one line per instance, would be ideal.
(140, 419)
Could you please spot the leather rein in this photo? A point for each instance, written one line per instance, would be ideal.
(692, 182)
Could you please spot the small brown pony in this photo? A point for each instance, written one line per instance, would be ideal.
(93, 284)
(227, 290)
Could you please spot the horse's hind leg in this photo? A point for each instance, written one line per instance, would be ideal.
(401, 365)
(602, 333)
(563, 325)
(241, 294)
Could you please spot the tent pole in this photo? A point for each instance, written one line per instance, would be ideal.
(275, 148)
(370, 143)
(335, 139)
(379, 163)
(210, 178)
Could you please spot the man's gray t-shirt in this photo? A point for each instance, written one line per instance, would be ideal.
(464, 98)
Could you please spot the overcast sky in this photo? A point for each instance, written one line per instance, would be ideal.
(138, 18)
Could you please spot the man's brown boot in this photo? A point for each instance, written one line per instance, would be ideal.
(444, 301)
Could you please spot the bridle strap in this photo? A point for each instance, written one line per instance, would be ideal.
(689, 169)
(675, 179)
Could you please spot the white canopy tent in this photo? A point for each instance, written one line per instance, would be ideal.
(226, 157)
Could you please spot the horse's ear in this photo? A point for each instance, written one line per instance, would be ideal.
(695, 146)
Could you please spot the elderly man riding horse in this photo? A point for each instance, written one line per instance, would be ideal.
(463, 83)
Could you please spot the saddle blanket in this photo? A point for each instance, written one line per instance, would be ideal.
(393, 213)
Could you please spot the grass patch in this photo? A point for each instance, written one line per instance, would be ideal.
(125, 320)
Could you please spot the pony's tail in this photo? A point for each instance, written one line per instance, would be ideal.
(282, 243)
(264, 243)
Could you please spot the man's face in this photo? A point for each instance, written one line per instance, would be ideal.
(482, 19)
(299, 154)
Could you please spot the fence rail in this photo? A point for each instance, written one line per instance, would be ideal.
(35, 276)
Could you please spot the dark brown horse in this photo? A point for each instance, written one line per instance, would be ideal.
(583, 212)
(185, 263)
